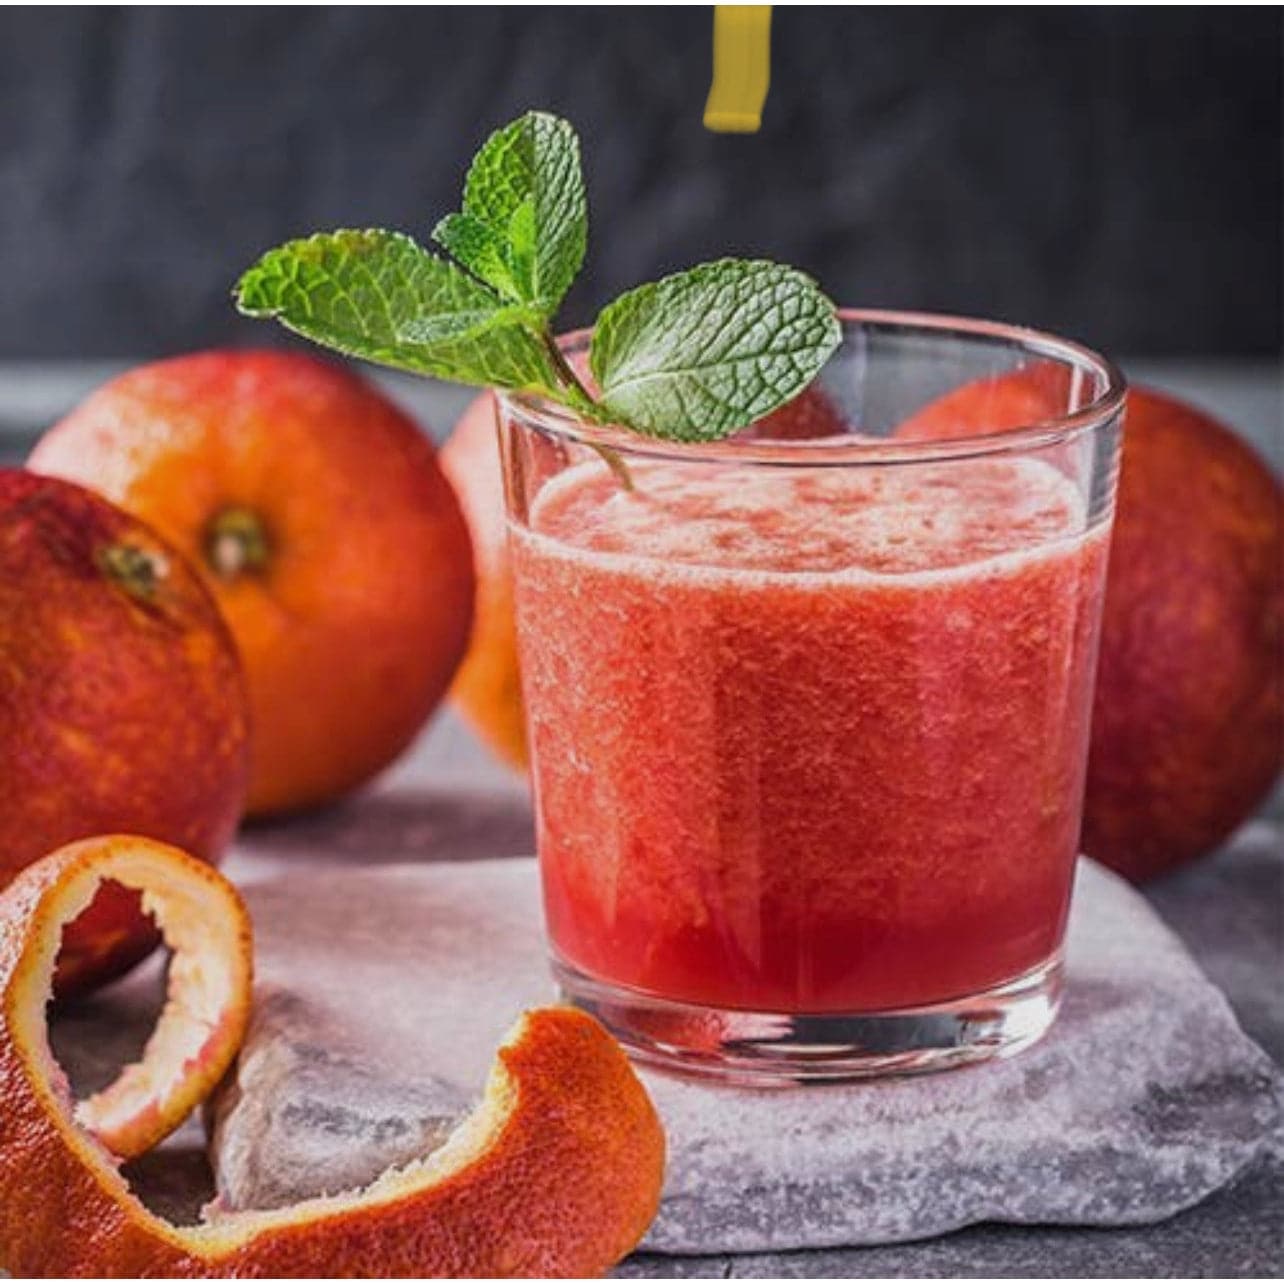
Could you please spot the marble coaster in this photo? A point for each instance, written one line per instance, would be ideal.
(382, 994)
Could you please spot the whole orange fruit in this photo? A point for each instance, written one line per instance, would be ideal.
(122, 706)
(1188, 723)
(317, 513)
(487, 688)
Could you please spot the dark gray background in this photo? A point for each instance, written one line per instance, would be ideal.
(1113, 174)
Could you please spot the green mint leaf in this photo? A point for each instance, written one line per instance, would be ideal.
(433, 330)
(380, 296)
(474, 245)
(523, 248)
(697, 355)
(526, 187)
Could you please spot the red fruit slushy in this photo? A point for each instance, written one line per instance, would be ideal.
(808, 740)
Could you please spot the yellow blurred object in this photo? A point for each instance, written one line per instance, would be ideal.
(741, 68)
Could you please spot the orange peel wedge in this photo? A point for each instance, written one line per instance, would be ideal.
(557, 1172)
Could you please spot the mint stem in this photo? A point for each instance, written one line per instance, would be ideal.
(615, 462)
(566, 372)
(581, 399)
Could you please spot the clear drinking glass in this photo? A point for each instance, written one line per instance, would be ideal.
(809, 708)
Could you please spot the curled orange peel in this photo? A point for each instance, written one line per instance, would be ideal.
(207, 1004)
(557, 1172)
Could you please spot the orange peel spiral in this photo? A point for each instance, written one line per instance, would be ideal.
(556, 1172)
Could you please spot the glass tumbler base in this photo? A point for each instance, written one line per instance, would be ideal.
(761, 1049)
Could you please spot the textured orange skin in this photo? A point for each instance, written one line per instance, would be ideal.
(566, 1185)
(115, 713)
(487, 688)
(351, 632)
(1188, 724)
(1188, 719)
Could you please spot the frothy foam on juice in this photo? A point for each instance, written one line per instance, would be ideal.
(826, 521)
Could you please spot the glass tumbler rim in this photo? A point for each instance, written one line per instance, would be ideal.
(549, 418)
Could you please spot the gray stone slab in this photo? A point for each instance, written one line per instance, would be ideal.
(1229, 910)
(448, 800)
(1144, 1099)
(1236, 1233)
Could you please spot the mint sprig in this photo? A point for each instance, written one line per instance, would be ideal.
(692, 357)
